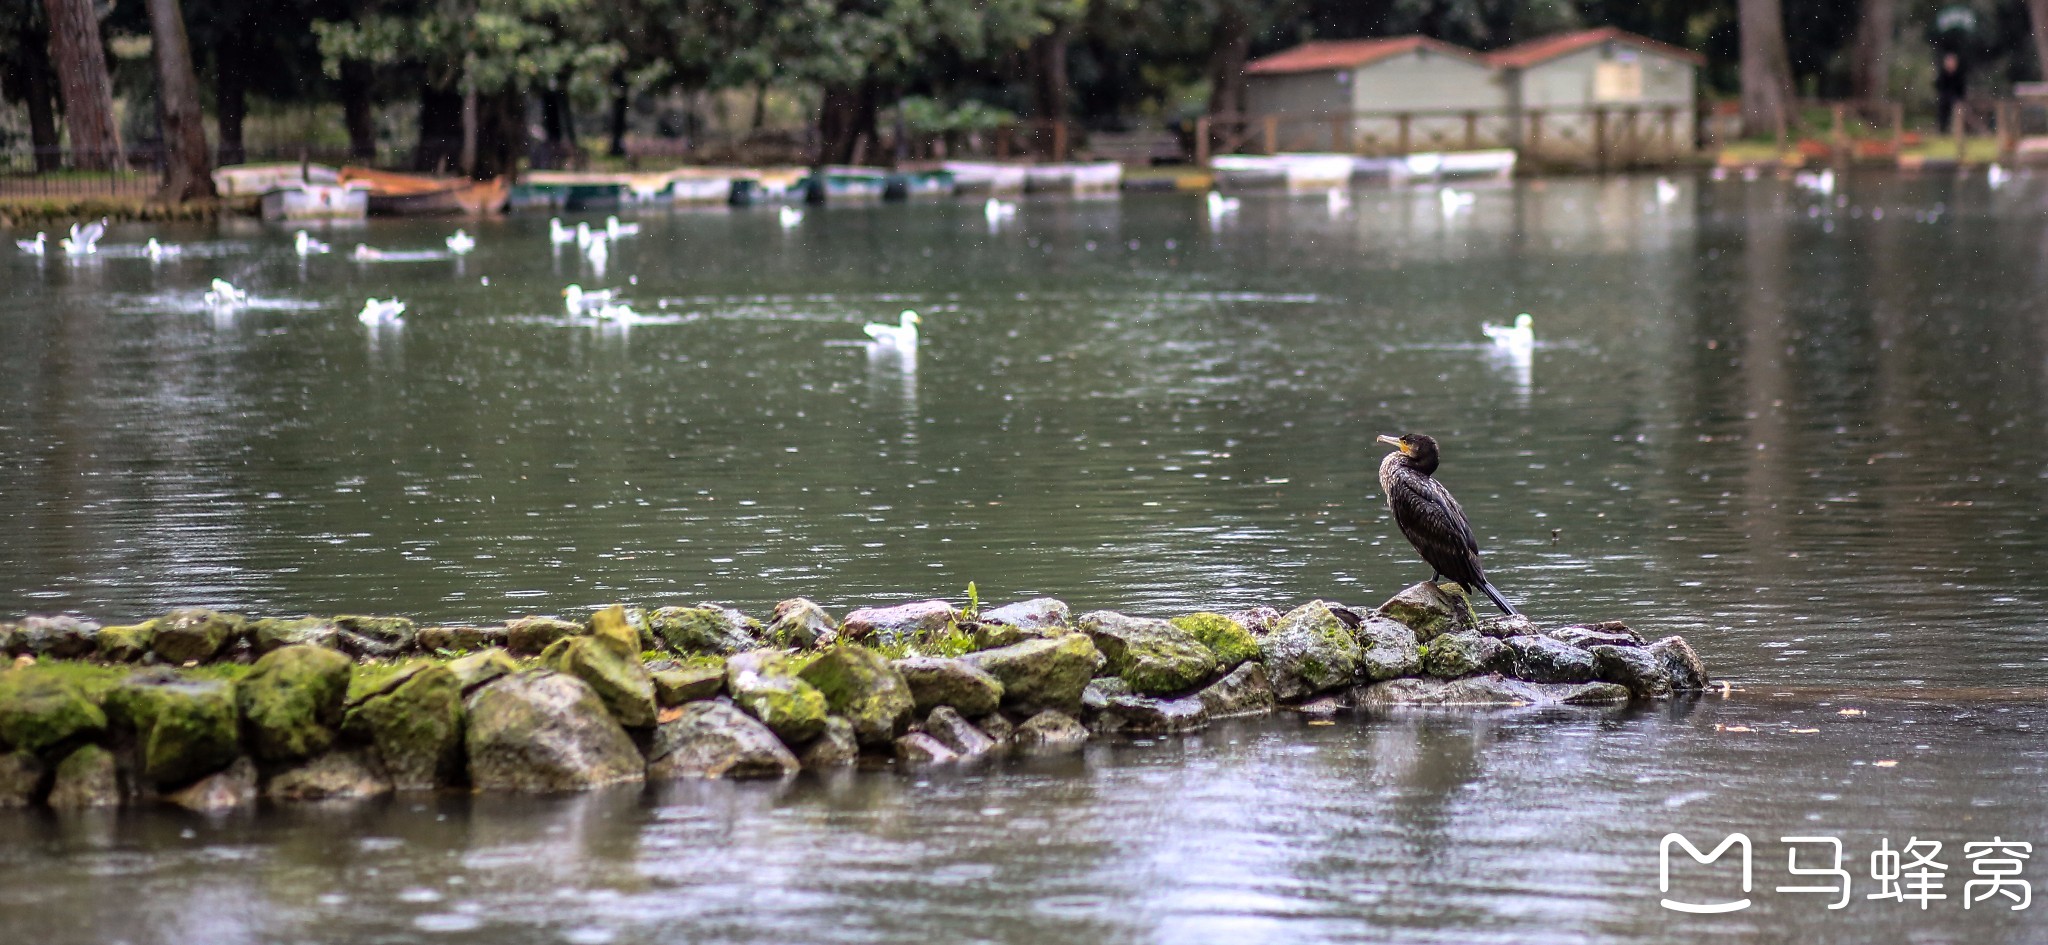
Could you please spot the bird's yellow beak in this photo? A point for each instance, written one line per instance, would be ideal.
(1393, 441)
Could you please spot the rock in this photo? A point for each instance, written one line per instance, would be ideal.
(1245, 691)
(1258, 620)
(762, 685)
(1038, 613)
(377, 638)
(341, 775)
(1231, 641)
(1310, 651)
(272, 633)
(21, 775)
(1489, 690)
(956, 733)
(801, 625)
(1096, 695)
(1504, 626)
(998, 728)
(1634, 668)
(859, 683)
(918, 750)
(88, 777)
(416, 727)
(1041, 674)
(185, 729)
(1430, 609)
(1544, 660)
(1390, 649)
(189, 635)
(1681, 665)
(934, 682)
(543, 731)
(714, 740)
(291, 701)
(835, 747)
(621, 682)
(461, 638)
(1612, 633)
(126, 644)
(1145, 715)
(1154, 656)
(60, 637)
(678, 683)
(988, 636)
(1464, 653)
(10, 640)
(481, 667)
(706, 628)
(39, 712)
(224, 790)
(1049, 732)
(528, 636)
(902, 623)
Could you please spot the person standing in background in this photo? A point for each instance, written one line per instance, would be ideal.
(1951, 87)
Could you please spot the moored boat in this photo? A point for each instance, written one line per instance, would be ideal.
(395, 194)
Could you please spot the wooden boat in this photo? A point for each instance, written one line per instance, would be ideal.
(395, 194)
(298, 200)
(252, 180)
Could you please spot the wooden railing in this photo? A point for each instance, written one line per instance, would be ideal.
(1604, 137)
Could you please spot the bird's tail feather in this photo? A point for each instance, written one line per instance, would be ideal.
(1498, 601)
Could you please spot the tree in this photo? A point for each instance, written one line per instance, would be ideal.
(2037, 11)
(188, 174)
(27, 77)
(81, 62)
(1766, 68)
(1870, 62)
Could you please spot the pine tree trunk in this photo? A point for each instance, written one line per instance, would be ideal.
(81, 64)
(31, 82)
(1227, 56)
(1049, 85)
(1870, 68)
(230, 97)
(187, 171)
(2037, 10)
(1766, 68)
(356, 110)
(621, 97)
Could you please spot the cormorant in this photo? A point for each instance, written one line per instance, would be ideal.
(1430, 518)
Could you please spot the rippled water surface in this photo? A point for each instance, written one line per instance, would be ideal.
(1806, 433)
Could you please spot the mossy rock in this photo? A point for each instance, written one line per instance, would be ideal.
(379, 638)
(87, 778)
(126, 644)
(1431, 610)
(1231, 641)
(272, 633)
(714, 740)
(185, 728)
(1049, 616)
(706, 628)
(291, 702)
(1465, 653)
(835, 747)
(1153, 656)
(60, 637)
(1310, 651)
(798, 623)
(527, 636)
(900, 624)
(39, 711)
(677, 683)
(935, 681)
(791, 708)
(192, 635)
(335, 776)
(860, 685)
(481, 667)
(1042, 674)
(543, 732)
(459, 638)
(21, 777)
(416, 725)
(620, 681)
(1390, 650)
(11, 644)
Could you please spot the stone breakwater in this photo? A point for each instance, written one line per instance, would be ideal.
(209, 710)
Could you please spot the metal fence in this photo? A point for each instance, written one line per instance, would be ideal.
(1599, 137)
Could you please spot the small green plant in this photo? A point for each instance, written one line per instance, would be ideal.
(973, 609)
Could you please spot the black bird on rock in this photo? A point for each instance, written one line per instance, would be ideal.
(1430, 517)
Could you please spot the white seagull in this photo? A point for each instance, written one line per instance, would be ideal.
(1220, 205)
(583, 236)
(1519, 337)
(790, 217)
(598, 250)
(225, 295)
(381, 312)
(559, 234)
(614, 229)
(460, 243)
(1996, 176)
(1821, 183)
(903, 334)
(996, 211)
(1667, 192)
(157, 251)
(306, 245)
(1454, 200)
(579, 302)
(1339, 201)
(366, 254)
(84, 241)
(35, 247)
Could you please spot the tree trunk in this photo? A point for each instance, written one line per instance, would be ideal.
(846, 118)
(1766, 68)
(187, 172)
(230, 96)
(30, 82)
(81, 63)
(469, 120)
(1049, 86)
(1870, 63)
(621, 97)
(439, 149)
(1227, 54)
(500, 132)
(2037, 10)
(761, 106)
(355, 110)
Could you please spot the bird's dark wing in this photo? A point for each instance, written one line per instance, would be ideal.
(1432, 521)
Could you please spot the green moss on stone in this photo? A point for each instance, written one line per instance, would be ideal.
(41, 710)
(859, 683)
(612, 669)
(186, 728)
(291, 701)
(416, 727)
(1230, 640)
(126, 644)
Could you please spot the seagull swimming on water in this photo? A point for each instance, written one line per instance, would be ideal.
(790, 217)
(1220, 205)
(306, 245)
(559, 234)
(902, 335)
(460, 243)
(157, 251)
(223, 294)
(381, 312)
(1996, 176)
(614, 229)
(579, 302)
(1667, 192)
(1454, 200)
(1339, 200)
(1822, 183)
(996, 211)
(35, 247)
(1519, 337)
(366, 254)
(84, 241)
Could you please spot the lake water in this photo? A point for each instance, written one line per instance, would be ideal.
(1807, 433)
